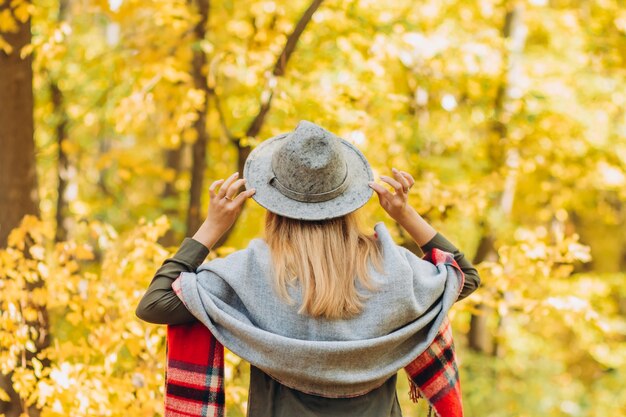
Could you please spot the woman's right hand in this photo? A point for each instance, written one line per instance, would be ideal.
(224, 207)
(395, 203)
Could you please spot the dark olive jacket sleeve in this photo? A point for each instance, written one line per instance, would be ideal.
(472, 280)
(160, 304)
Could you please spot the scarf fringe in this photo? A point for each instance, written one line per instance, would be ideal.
(415, 394)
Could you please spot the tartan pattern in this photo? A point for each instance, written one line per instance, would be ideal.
(194, 372)
(434, 374)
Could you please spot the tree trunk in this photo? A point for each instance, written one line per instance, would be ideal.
(198, 72)
(62, 160)
(58, 106)
(170, 195)
(479, 337)
(18, 177)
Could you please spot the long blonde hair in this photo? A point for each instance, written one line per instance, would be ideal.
(327, 258)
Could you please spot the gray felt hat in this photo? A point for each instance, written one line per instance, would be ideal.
(308, 174)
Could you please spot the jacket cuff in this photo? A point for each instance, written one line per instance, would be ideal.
(191, 252)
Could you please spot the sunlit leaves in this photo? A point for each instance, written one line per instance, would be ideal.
(416, 85)
(103, 360)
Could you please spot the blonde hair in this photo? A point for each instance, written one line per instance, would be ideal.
(327, 258)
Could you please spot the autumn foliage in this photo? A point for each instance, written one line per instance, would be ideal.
(509, 114)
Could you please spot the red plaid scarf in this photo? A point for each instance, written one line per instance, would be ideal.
(194, 373)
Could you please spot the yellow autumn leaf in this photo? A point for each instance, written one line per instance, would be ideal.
(23, 11)
(7, 22)
(84, 252)
(124, 174)
(37, 367)
(189, 136)
(73, 317)
(30, 346)
(40, 296)
(4, 396)
(69, 146)
(5, 46)
(27, 50)
(174, 75)
(37, 251)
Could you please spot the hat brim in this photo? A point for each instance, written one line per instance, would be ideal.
(258, 172)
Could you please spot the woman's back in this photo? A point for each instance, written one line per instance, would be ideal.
(267, 397)
(235, 298)
(405, 290)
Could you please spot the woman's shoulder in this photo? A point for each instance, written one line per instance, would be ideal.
(255, 252)
(386, 241)
(397, 257)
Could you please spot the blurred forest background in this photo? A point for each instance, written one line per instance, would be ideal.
(116, 115)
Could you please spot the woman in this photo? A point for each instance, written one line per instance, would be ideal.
(324, 313)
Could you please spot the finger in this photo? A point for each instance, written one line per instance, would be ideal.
(408, 177)
(395, 184)
(401, 179)
(213, 187)
(243, 196)
(382, 192)
(234, 187)
(226, 184)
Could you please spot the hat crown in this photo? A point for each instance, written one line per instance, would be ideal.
(310, 165)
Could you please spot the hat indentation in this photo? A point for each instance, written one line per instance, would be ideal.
(310, 165)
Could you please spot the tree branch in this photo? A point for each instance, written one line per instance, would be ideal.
(222, 118)
(266, 96)
(279, 68)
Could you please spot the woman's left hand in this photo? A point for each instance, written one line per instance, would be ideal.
(224, 208)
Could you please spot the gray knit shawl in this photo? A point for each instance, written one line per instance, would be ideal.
(235, 298)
